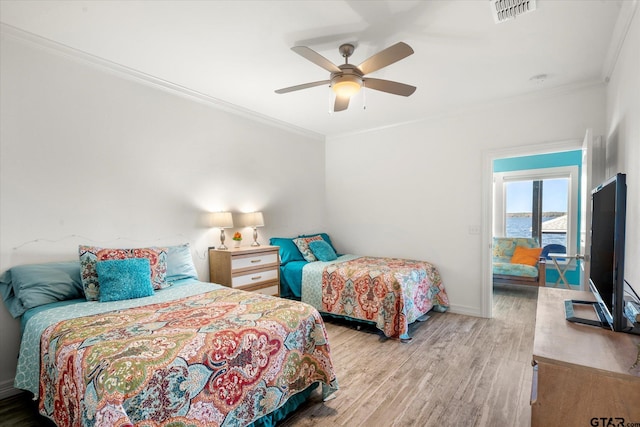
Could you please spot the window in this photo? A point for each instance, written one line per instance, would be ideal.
(538, 203)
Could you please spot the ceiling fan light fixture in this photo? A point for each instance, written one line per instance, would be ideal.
(347, 79)
(346, 85)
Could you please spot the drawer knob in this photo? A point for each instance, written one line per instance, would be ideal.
(256, 278)
(255, 260)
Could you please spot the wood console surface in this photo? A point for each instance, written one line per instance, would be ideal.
(582, 372)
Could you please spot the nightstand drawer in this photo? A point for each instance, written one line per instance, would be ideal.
(254, 278)
(269, 290)
(252, 269)
(254, 261)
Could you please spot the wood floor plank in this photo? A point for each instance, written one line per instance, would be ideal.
(457, 370)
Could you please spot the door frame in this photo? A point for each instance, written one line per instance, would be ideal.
(593, 155)
(488, 156)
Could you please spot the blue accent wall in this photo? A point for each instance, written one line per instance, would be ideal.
(543, 161)
(539, 161)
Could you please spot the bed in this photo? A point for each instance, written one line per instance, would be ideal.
(390, 293)
(188, 353)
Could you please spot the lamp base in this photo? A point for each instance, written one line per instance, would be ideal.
(222, 237)
(255, 237)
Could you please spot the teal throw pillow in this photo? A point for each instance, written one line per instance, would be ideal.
(303, 246)
(322, 250)
(122, 279)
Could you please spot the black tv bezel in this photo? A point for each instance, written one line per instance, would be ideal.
(614, 313)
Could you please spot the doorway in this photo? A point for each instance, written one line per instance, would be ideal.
(536, 157)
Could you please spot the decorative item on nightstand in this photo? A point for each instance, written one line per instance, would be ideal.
(222, 220)
(255, 220)
(237, 238)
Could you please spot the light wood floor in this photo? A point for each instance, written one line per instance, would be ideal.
(458, 370)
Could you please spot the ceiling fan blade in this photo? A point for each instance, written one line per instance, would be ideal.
(316, 58)
(303, 86)
(342, 103)
(389, 86)
(386, 57)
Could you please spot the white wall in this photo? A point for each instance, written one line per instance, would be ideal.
(88, 155)
(623, 140)
(415, 190)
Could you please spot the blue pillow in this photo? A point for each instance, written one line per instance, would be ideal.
(180, 263)
(288, 250)
(122, 279)
(322, 250)
(324, 236)
(27, 286)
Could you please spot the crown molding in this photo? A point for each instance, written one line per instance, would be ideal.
(479, 106)
(628, 10)
(148, 79)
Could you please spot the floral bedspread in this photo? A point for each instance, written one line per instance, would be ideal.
(225, 357)
(390, 292)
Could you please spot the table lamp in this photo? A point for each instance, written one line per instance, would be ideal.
(255, 220)
(222, 220)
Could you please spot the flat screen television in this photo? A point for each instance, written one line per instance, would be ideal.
(606, 277)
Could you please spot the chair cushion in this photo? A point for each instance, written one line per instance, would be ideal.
(506, 246)
(509, 269)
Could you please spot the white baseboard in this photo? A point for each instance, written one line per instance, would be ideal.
(7, 389)
(466, 310)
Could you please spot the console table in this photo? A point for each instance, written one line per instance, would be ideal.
(581, 372)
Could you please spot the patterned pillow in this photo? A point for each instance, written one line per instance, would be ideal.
(122, 279)
(325, 236)
(90, 255)
(303, 246)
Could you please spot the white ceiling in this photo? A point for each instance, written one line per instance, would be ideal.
(238, 52)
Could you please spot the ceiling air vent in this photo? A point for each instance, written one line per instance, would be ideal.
(503, 10)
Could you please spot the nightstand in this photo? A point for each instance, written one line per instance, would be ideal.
(250, 268)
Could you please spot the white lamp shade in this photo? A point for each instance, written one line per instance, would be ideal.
(221, 220)
(255, 219)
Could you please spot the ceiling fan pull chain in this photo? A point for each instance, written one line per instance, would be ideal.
(364, 95)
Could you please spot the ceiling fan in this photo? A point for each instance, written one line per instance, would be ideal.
(347, 79)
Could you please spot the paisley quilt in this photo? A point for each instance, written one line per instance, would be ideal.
(390, 292)
(225, 357)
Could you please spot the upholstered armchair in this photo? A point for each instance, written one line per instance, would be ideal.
(518, 261)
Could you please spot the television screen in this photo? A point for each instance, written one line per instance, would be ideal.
(607, 248)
